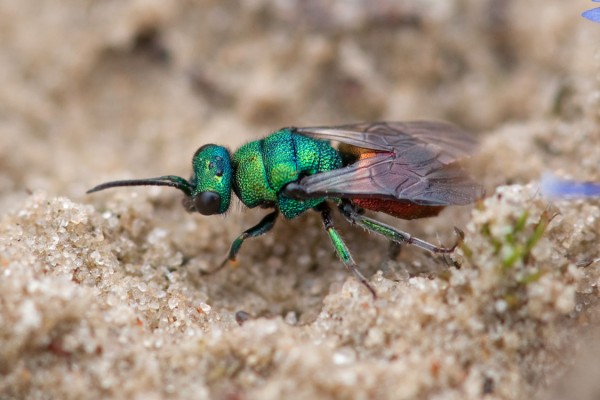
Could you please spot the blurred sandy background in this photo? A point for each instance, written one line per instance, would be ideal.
(101, 295)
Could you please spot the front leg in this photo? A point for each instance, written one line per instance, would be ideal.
(264, 226)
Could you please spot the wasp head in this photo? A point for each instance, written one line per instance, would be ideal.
(210, 181)
(209, 189)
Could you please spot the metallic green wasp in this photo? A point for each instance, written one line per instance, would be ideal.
(405, 169)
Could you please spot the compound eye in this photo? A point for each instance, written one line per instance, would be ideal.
(207, 203)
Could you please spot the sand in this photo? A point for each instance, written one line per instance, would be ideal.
(103, 296)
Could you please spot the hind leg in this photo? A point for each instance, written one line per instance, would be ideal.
(390, 232)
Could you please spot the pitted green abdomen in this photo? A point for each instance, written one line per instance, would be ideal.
(264, 167)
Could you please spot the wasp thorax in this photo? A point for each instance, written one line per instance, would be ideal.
(211, 180)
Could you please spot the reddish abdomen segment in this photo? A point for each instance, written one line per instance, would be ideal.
(398, 208)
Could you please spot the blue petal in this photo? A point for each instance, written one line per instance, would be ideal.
(554, 187)
(592, 15)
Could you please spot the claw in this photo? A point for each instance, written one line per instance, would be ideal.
(459, 241)
(220, 267)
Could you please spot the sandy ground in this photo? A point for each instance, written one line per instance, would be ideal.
(102, 296)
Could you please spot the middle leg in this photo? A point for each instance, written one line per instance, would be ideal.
(340, 247)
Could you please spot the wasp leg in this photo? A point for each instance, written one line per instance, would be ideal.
(389, 232)
(264, 226)
(340, 247)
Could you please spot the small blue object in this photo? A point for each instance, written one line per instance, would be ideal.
(556, 188)
(593, 14)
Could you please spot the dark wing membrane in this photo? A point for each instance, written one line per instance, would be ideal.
(414, 161)
(447, 141)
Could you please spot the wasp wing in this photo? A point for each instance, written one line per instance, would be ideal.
(448, 141)
(413, 161)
